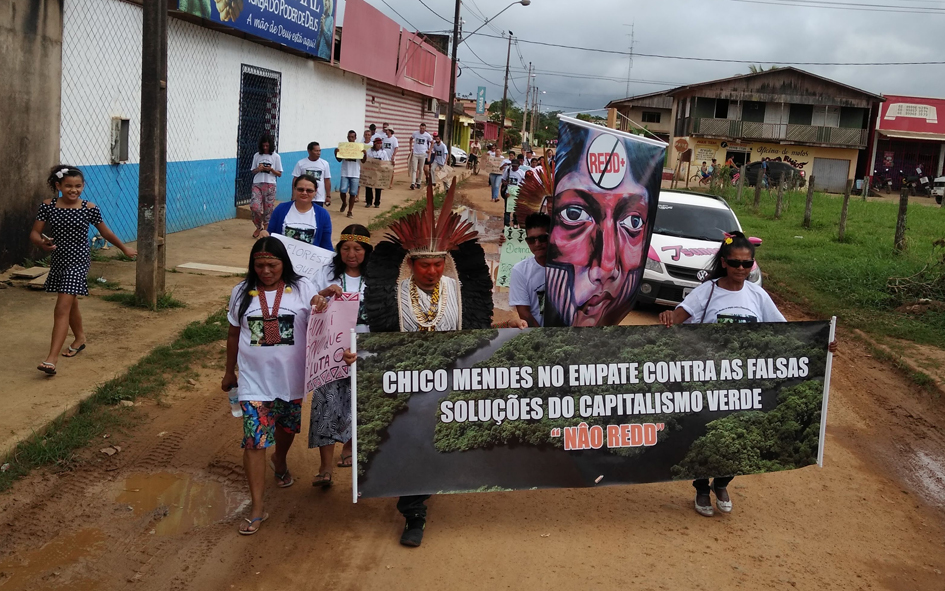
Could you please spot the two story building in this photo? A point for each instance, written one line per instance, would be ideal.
(653, 111)
(817, 125)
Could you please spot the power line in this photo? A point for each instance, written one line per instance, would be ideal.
(434, 12)
(856, 7)
(729, 61)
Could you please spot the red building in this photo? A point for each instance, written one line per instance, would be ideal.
(910, 133)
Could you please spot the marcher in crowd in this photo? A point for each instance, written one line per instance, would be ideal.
(420, 142)
(391, 144)
(331, 403)
(267, 168)
(299, 218)
(268, 318)
(726, 297)
(379, 133)
(368, 134)
(495, 178)
(527, 282)
(350, 176)
(512, 180)
(62, 228)
(475, 149)
(316, 167)
(438, 159)
(373, 196)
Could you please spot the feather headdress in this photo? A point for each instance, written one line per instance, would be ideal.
(423, 237)
(536, 192)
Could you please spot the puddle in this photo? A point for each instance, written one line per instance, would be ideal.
(45, 563)
(930, 474)
(189, 502)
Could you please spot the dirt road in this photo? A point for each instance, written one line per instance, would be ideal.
(162, 514)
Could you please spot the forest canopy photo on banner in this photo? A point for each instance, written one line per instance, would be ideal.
(492, 410)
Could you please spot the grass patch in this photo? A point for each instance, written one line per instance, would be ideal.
(848, 279)
(165, 302)
(123, 257)
(99, 256)
(102, 283)
(43, 262)
(57, 444)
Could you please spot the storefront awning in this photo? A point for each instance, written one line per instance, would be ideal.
(913, 135)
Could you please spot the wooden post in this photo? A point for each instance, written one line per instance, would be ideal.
(779, 206)
(810, 202)
(843, 210)
(866, 186)
(761, 176)
(741, 183)
(900, 240)
(149, 270)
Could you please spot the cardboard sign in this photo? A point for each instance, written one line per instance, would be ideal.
(307, 259)
(376, 174)
(512, 251)
(350, 151)
(443, 173)
(492, 164)
(328, 337)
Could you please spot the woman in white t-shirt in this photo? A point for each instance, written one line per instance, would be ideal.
(726, 298)
(331, 403)
(267, 167)
(268, 317)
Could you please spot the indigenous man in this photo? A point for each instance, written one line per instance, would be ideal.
(427, 277)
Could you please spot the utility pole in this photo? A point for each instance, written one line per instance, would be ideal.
(448, 128)
(528, 87)
(505, 94)
(630, 64)
(152, 170)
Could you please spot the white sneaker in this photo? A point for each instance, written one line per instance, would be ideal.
(704, 510)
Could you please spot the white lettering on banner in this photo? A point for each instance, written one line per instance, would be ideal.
(308, 260)
(289, 12)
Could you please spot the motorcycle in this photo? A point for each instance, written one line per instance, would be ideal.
(881, 180)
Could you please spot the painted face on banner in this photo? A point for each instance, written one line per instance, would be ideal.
(600, 222)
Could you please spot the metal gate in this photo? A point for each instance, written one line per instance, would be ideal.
(831, 174)
(259, 114)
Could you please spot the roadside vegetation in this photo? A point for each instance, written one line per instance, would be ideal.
(57, 444)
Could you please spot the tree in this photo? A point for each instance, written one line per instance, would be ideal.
(758, 69)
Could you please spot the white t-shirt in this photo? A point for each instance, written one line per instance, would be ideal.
(750, 304)
(266, 177)
(318, 169)
(267, 372)
(390, 144)
(379, 134)
(351, 168)
(527, 286)
(421, 142)
(515, 178)
(348, 284)
(439, 154)
(300, 225)
(378, 154)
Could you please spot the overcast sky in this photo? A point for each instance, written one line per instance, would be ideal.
(757, 30)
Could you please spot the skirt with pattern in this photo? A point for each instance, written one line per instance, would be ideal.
(331, 414)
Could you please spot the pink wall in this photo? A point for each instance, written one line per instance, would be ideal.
(371, 44)
(912, 113)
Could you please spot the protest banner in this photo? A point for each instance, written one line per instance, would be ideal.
(607, 182)
(376, 174)
(492, 164)
(491, 410)
(513, 250)
(350, 151)
(443, 173)
(327, 339)
(307, 259)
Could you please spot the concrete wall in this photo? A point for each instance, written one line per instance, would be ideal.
(101, 79)
(31, 45)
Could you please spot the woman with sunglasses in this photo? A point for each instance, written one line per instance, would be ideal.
(299, 218)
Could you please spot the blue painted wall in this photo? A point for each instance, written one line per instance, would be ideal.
(199, 192)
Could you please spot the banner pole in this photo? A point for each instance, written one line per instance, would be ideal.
(354, 419)
(823, 407)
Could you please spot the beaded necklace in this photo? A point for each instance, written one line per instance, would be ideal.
(426, 319)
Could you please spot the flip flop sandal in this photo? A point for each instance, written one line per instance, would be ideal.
(345, 461)
(74, 352)
(47, 368)
(323, 480)
(283, 480)
(249, 532)
(256, 234)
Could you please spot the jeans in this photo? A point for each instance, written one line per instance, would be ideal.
(349, 185)
(413, 506)
(372, 196)
(495, 180)
(416, 163)
(702, 484)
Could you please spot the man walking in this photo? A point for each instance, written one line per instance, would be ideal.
(438, 159)
(377, 152)
(315, 166)
(350, 176)
(390, 144)
(420, 142)
(527, 282)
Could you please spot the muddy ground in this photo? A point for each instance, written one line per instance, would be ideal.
(163, 512)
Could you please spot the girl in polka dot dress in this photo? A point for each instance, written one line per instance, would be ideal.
(62, 228)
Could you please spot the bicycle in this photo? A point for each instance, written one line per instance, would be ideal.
(702, 180)
(473, 163)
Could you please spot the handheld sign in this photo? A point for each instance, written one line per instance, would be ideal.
(307, 259)
(350, 151)
(376, 174)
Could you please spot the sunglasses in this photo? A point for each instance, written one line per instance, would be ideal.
(543, 238)
(306, 191)
(735, 263)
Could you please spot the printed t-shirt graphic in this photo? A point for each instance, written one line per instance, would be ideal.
(318, 169)
(390, 144)
(749, 304)
(439, 154)
(300, 226)
(421, 141)
(286, 330)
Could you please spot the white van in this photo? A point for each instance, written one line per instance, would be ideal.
(938, 189)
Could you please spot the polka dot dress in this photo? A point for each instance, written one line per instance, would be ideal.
(73, 256)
